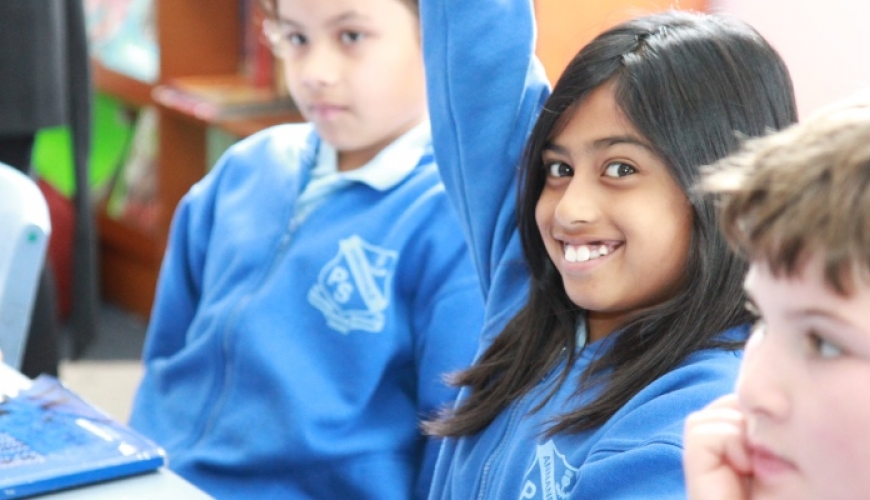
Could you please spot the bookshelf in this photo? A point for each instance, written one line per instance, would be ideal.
(195, 38)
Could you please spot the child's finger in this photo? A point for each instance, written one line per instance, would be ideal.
(716, 460)
(723, 435)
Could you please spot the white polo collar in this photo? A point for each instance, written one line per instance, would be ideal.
(387, 168)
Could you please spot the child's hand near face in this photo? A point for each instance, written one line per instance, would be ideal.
(716, 459)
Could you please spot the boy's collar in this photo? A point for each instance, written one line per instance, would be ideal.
(389, 167)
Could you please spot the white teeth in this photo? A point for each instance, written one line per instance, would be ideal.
(583, 253)
(570, 253)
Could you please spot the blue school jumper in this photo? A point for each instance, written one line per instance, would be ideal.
(294, 343)
(485, 91)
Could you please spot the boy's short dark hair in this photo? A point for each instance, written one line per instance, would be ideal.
(801, 192)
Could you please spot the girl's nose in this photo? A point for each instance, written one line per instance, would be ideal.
(762, 387)
(579, 203)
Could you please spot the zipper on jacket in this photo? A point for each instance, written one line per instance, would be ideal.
(512, 423)
(498, 451)
(283, 245)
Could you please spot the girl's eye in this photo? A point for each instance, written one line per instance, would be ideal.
(559, 169)
(351, 37)
(618, 169)
(824, 348)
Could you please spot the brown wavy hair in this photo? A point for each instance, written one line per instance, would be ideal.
(801, 192)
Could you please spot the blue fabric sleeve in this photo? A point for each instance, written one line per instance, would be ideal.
(485, 91)
(445, 323)
(639, 451)
(179, 286)
(650, 471)
(450, 343)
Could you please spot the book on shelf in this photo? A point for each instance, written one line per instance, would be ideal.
(257, 62)
(133, 195)
(51, 439)
(221, 97)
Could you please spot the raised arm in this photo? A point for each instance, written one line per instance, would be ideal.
(485, 90)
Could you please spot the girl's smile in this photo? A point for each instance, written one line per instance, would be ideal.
(584, 252)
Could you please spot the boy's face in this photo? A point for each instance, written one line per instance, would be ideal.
(355, 69)
(805, 387)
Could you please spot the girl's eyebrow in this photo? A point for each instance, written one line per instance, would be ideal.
(607, 142)
(555, 148)
(604, 143)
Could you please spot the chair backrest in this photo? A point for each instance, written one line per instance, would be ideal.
(24, 231)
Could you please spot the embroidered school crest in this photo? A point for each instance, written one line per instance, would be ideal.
(551, 477)
(353, 289)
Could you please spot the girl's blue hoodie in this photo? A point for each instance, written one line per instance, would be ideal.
(294, 360)
(485, 90)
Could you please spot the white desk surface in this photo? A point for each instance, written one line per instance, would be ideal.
(163, 485)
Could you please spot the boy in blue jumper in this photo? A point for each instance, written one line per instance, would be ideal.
(797, 205)
(316, 284)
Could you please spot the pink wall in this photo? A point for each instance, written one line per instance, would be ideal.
(825, 43)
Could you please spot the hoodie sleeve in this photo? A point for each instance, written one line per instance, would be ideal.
(448, 317)
(179, 286)
(485, 90)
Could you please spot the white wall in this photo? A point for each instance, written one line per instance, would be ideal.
(825, 43)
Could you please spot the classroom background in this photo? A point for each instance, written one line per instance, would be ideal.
(179, 81)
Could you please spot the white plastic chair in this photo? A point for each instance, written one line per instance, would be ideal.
(24, 231)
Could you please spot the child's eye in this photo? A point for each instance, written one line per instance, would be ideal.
(279, 33)
(295, 39)
(619, 169)
(351, 37)
(559, 169)
(824, 348)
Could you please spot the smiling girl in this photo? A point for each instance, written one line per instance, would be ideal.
(614, 306)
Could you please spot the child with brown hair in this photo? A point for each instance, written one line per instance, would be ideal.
(797, 205)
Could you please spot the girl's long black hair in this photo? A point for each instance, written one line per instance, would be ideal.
(693, 85)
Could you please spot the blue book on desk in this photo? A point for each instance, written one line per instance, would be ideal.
(50, 439)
